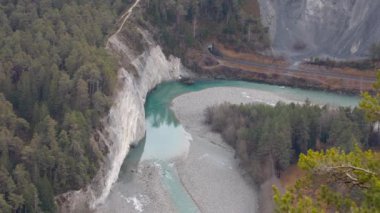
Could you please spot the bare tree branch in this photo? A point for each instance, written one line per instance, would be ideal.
(353, 168)
(351, 177)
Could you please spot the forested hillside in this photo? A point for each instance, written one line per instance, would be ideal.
(336, 180)
(337, 149)
(193, 24)
(268, 139)
(56, 82)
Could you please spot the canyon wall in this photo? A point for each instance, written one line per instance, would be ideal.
(344, 29)
(143, 65)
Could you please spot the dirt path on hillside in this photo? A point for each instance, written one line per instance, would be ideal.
(123, 19)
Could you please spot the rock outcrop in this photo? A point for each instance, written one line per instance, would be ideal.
(143, 65)
(343, 29)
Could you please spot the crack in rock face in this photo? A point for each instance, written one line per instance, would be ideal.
(344, 29)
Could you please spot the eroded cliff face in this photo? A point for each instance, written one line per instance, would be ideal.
(337, 28)
(143, 65)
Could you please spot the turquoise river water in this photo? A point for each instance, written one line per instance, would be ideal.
(166, 139)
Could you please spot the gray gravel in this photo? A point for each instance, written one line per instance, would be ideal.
(210, 173)
(141, 191)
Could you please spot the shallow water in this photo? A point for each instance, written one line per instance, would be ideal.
(166, 138)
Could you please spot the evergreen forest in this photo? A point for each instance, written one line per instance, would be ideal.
(56, 83)
(269, 139)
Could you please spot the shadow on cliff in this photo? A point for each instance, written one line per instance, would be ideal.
(131, 162)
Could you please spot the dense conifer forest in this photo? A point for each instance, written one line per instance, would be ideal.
(193, 24)
(274, 137)
(333, 147)
(56, 82)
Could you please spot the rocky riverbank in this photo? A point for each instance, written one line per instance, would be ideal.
(211, 172)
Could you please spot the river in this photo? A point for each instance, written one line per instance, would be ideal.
(167, 140)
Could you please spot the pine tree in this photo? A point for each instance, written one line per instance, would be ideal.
(82, 100)
(25, 188)
(371, 103)
(46, 195)
(335, 181)
(4, 206)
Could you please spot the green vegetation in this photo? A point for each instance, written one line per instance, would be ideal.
(56, 81)
(188, 24)
(335, 181)
(371, 103)
(268, 139)
(339, 178)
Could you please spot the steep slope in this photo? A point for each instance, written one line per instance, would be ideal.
(142, 66)
(338, 28)
(56, 83)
